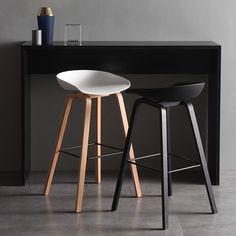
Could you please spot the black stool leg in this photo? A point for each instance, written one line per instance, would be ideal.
(169, 157)
(202, 157)
(169, 178)
(164, 179)
(124, 157)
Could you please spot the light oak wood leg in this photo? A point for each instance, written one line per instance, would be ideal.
(83, 156)
(57, 146)
(133, 168)
(98, 148)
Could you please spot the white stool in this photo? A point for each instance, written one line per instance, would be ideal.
(90, 84)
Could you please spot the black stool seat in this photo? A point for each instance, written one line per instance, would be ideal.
(175, 93)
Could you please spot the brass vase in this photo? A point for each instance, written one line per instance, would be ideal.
(46, 24)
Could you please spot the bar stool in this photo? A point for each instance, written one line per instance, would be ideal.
(88, 85)
(163, 98)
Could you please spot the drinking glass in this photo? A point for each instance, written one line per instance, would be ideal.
(72, 34)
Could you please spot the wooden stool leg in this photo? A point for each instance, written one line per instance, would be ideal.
(98, 150)
(83, 156)
(58, 143)
(134, 170)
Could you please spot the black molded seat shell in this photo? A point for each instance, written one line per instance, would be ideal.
(176, 93)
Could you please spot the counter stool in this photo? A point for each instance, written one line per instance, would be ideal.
(163, 98)
(88, 85)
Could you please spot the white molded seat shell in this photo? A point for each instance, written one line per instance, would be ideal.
(92, 82)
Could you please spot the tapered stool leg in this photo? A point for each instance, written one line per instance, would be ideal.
(164, 179)
(169, 150)
(83, 156)
(169, 178)
(98, 150)
(57, 146)
(202, 157)
(124, 159)
(134, 170)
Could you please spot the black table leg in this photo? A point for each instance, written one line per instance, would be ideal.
(214, 119)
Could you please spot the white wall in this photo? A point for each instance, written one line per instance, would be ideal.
(132, 20)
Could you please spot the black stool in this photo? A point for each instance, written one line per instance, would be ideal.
(163, 98)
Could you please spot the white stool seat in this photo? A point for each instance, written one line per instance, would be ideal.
(92, 82)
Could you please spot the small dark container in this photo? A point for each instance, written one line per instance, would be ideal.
(46, 24)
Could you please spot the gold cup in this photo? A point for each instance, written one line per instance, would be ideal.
(45, 11)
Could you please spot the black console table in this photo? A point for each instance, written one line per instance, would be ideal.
(127, 58)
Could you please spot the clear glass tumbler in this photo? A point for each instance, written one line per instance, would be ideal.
(72, 34)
